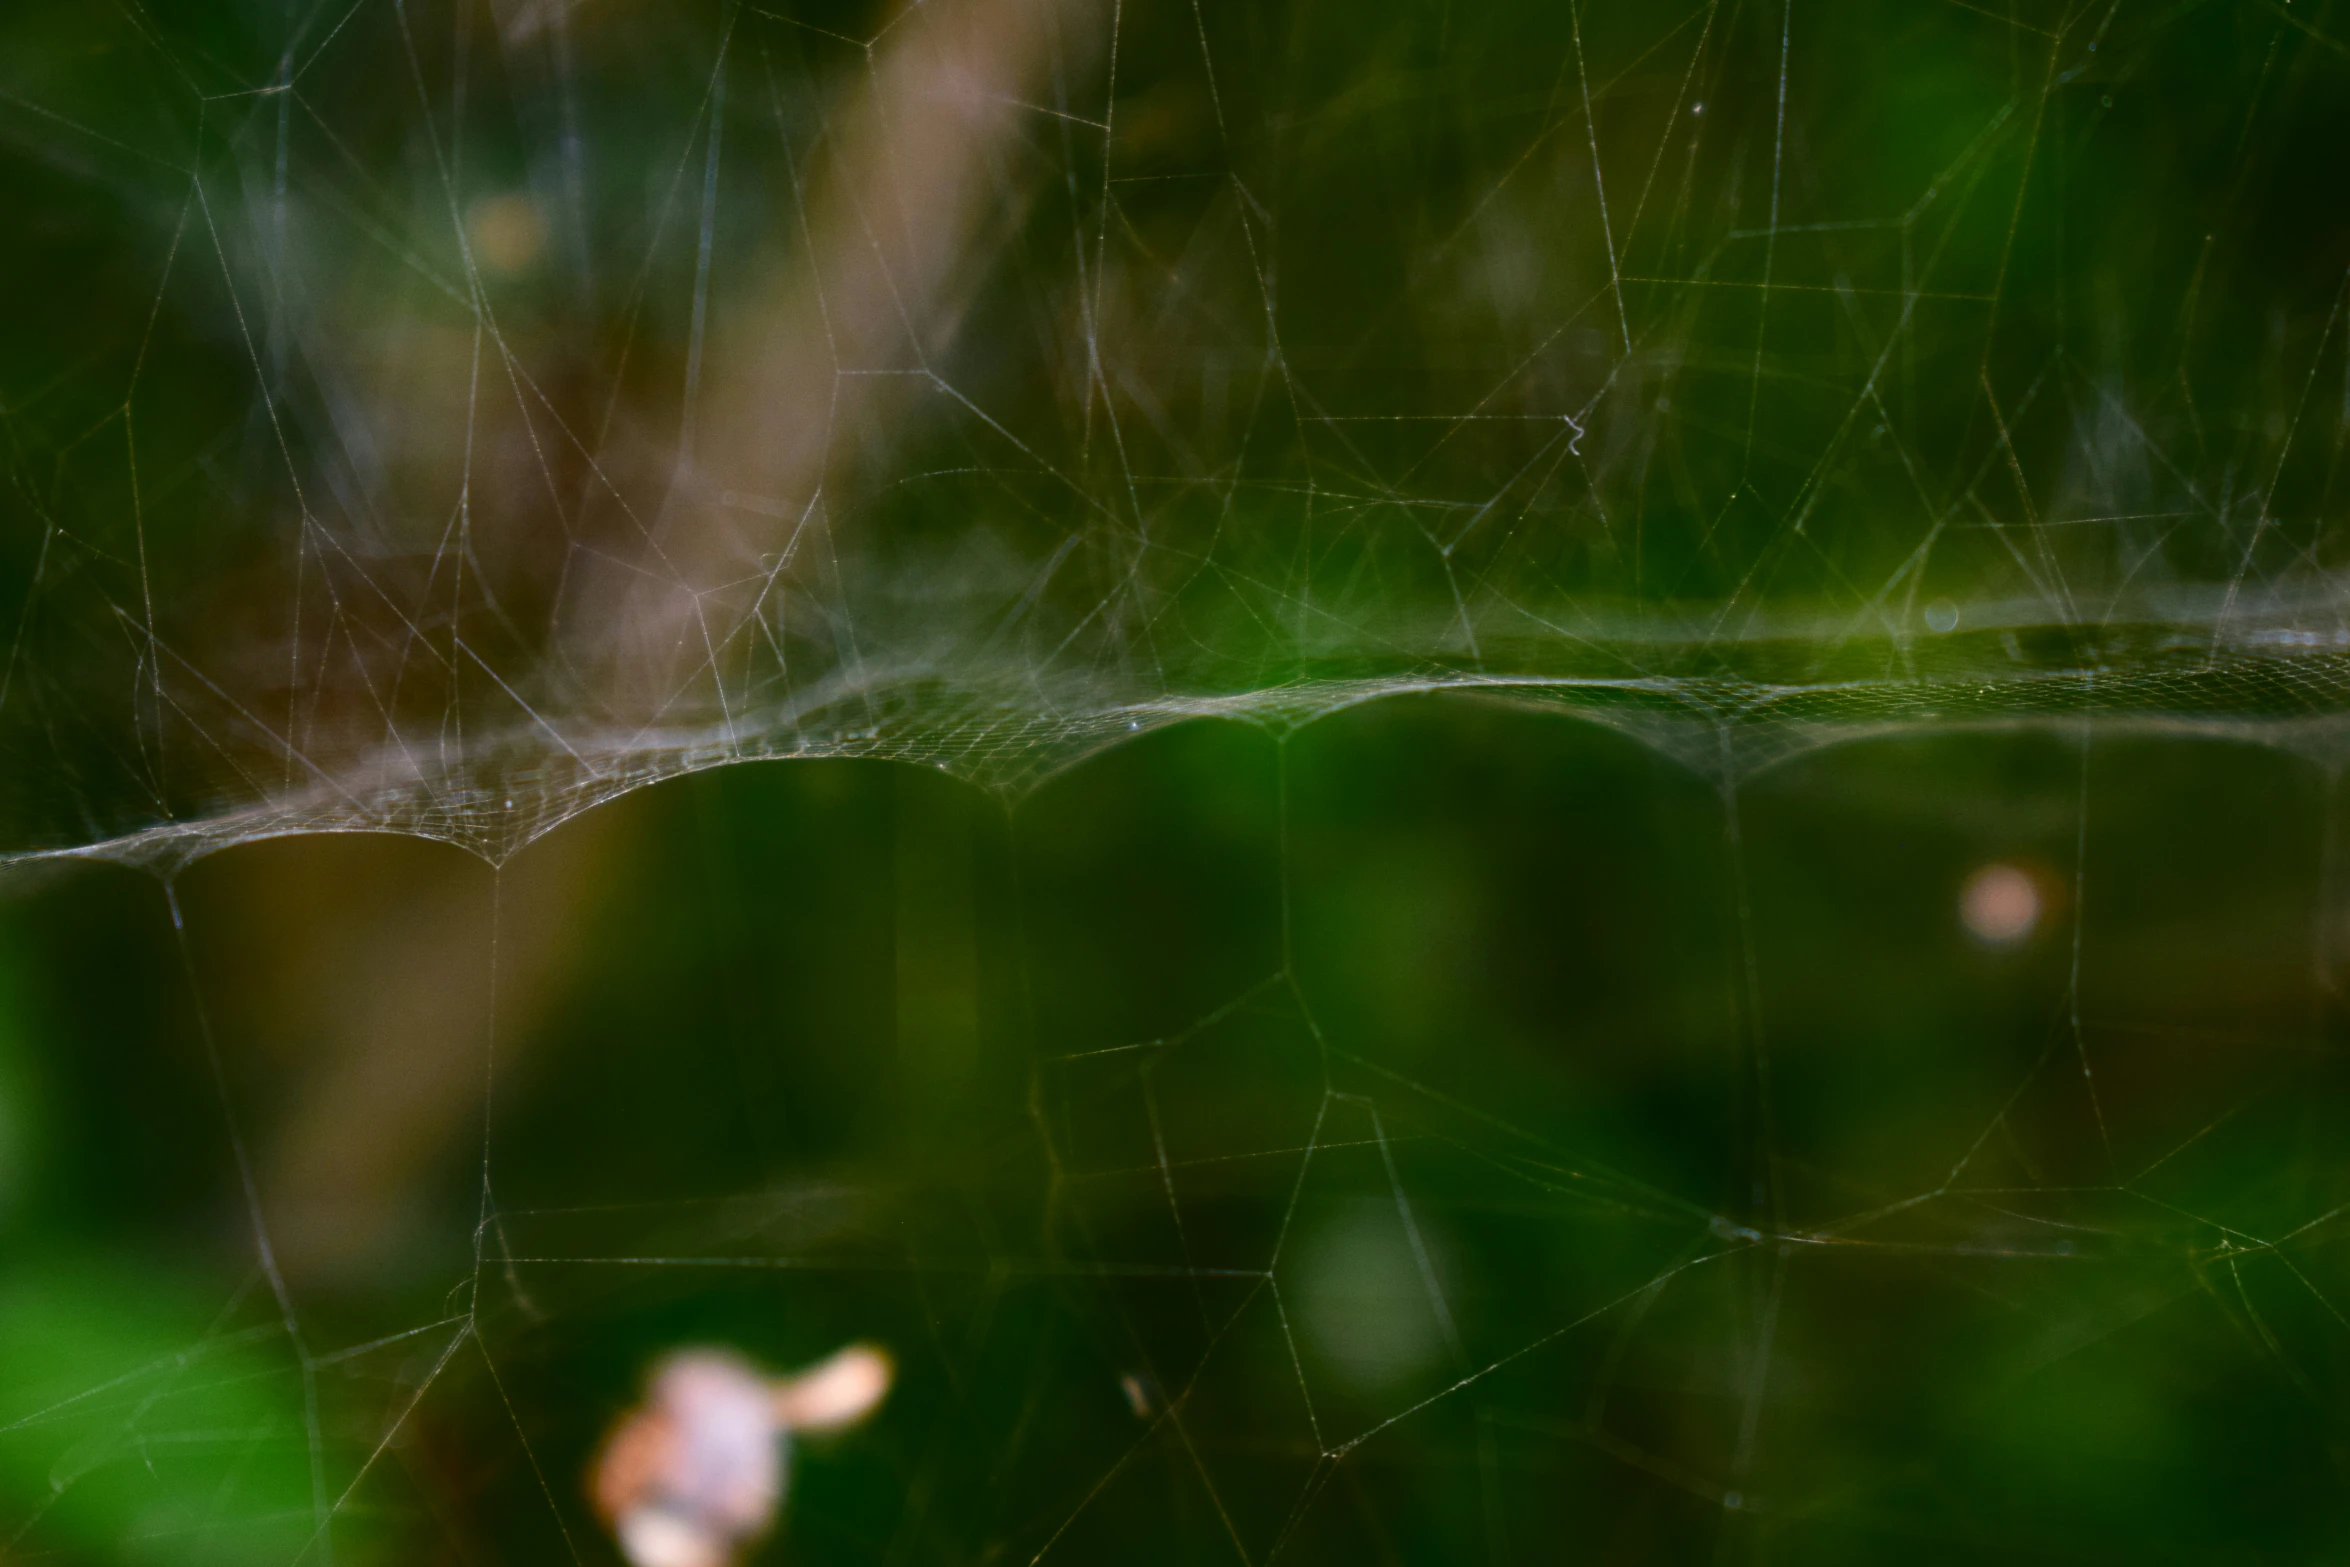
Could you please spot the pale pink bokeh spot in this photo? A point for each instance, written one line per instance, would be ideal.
(697, 1472)
(2000, 905)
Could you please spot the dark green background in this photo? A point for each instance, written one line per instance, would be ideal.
(1773, 1217)
(1515, 966)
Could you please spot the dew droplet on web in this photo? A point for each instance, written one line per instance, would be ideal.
(1941, 616)
(2000, 905)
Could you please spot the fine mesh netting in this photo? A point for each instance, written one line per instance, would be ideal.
(437, 421)
(1641, 712)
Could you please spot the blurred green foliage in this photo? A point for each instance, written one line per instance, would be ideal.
(1571, 1119)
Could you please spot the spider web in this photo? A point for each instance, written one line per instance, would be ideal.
(446, 422)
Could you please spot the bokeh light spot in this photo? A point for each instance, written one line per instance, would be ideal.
(506, 233)
(2000, 905)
